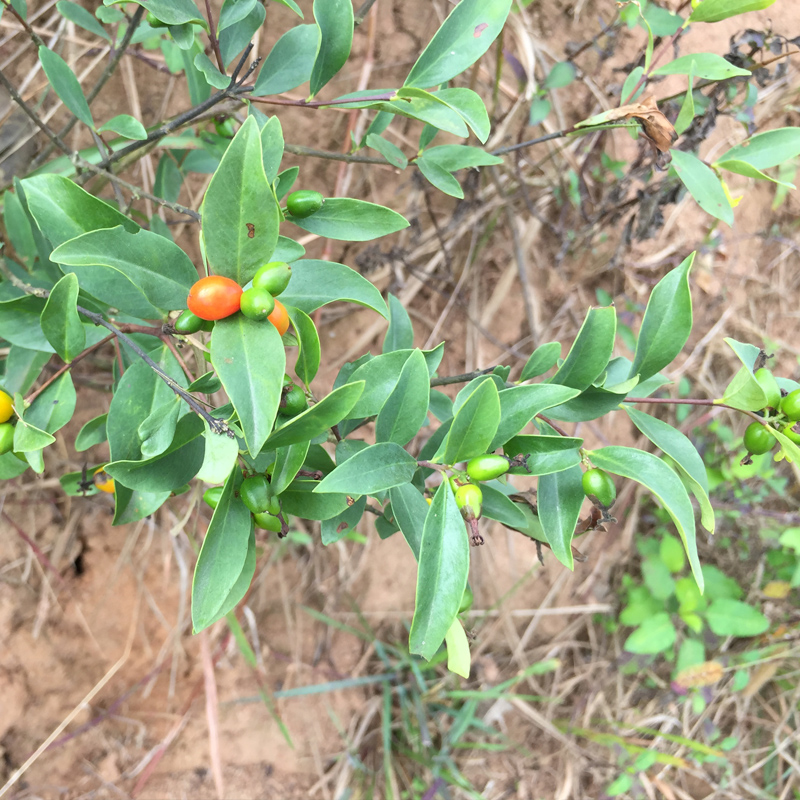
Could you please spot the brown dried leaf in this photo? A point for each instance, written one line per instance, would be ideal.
(700, 675)
(656, 127)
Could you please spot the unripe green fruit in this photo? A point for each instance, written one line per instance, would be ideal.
(790, 405)
(6, 438)
(268, 522)
(304, 203)
(469, 499)
(208, 325)
(770, 386)
(257, 304)
(599, 487)
(487, 468)
(212, 495)
(294, 402)
(188, 323)
(273, 277)
(789, 431)
(757, 439)
(457, 480)
(256, 493)
(154, 22)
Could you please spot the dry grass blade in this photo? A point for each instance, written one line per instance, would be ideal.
(212, 714)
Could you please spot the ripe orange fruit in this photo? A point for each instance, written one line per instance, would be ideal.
(103, 481)
(279, 317)
(214, 297)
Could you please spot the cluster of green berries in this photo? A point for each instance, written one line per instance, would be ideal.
(783, 415)
(6, 427)
(257, 495)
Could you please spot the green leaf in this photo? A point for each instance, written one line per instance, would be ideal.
(440, 178)
(308, 356)
(390, 151)
(744, 391)
(667, 322)
(561, 74)
(288, 460)
(290, 62)
(60, 321)
(155, 266)
(221, 454)
(410, 511)
(678, 447)
(253, 383)
(23, 367)
(18, 227)
(125, 125)
(458, 655)
(591, 350)
(288, 250)
(349, 220)
(728, 617)
(317, 419)
(291, 4)
(222, 556)
(717, 10)
(236, 37)
(559, 498)
(542, 359)
(28, 439)
(170, 470)
(173, 12)
(499, 507)
(65, 84)
(315, 283)
(470, 108)
(158, 430)
(703, 185)
(520, 404)
(703, 65)
(462, 39)
(375, 469)
(20, 322)
(80, 16)
(406, 408)
(335, 21)
(234, 11)
(474, 424)
(210, 71)
(240, 214)
(663, 483)
(764, 150)
(546, 454)
(336, 528)
(400, 334)
(54, 407)
(285, 181)
(92, 433)
(302, 501)
(442, 573)
(450, 158)
(686, 114)
(749, 171)
(654, 635)
(130, 506)
(272, 146)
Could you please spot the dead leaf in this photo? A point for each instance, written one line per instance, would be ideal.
(777, 590)
(761, 676)
(700, 675)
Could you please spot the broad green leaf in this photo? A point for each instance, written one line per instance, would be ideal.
(23, 367)
(199, 90)
(240, 214)
(406, 408)
(208, 384)
(220, 456)
(470, 107)
(462, 39)
(315, 283)
(252, 379)
(450, 158)
(12, 467)
(703, 65)
(400, 333)
(18, 227)
(765, 150)
(667, 322)
(410, 511)
(678, 447)
(302, 501)
(542, 359)
(458, 655)
(728, 617)
(125, 125)
(654, 635)
(158, 430)
(222, 556)
(499, 507)
(153, 264)
(308, 356)
(80, 16)
(591, 350)
(686, 114)
(317, 419)
(285, 181)
(210, 71)
(744, 391)
(130, 506)
(703, 185)
(749, 171)
(290, 62)
(440, 405)
(351, 220)
(272, 145)
(375, 469)
(234, 11)
(54, 407)
(65, 84)
(439, 177)
(442, 573)
(20, 322)
(560, 497)
(288, 460)
(520, 404)
(288, 250)
(561, 74)
(390, 151)
(665, 485)
(169, 470)
(291, 4)
(336, 528)
(61, 323)
(173, 12)
(183, 36)
(237, 36)
(28, 438)
(717, 10)
(540, 108)
(474, 425)
(239, 589)
(546, 454)
(335, 21)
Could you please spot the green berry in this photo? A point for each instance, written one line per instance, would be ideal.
(599, 487)
(269, 522)
(304, 203)
(188, 323)
(293, 402)
(487, 468)
(256, 493)
(469, 499)
(154, 22)
(273, 277)
(757, 439)
(770, 386)
(790, 405)
(789, 431)
(212, 495)
(6, 438)
(257, 304)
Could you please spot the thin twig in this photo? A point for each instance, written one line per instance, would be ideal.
(300, 150)
(35, 38)
(465, 378)
(362, 12)
(212, 35)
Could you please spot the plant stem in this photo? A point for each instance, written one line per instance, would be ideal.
(692, 402)
(465, 378)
